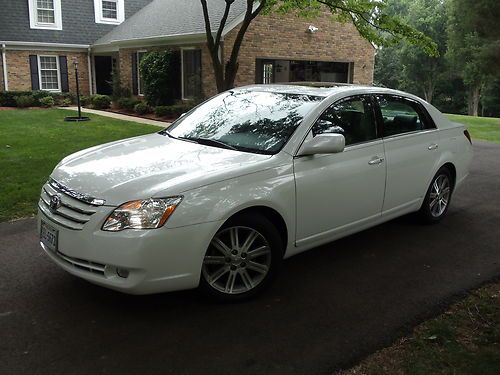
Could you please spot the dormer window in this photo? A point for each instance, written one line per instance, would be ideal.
(109, 11)
(45, 14)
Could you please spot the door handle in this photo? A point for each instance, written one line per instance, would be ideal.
(376, 160)
(433, 146)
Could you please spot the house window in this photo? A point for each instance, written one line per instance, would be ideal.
(140, 83)
(191, 73)
(48, 67)
(45, 14)
(109, 11)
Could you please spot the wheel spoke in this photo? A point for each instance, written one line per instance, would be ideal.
(436, 186)
(213, 259)
(247, 280)
(230, 282)
(433, 203)
(258, 252)
(257, 267)
(221, 246)
(249, 241)
(233, 234)
(217, 275)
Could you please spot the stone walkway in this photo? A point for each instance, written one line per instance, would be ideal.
(119, 116)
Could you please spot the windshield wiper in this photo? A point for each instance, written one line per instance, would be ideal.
(209, 142)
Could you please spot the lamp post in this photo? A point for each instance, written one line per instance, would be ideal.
(79, 117)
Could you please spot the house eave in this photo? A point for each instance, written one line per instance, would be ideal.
(23, 46)
(179, 39)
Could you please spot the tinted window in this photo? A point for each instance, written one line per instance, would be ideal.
(255, 121)
(352, 117)
(400, 115)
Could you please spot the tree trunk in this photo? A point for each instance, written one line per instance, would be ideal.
(473, 100)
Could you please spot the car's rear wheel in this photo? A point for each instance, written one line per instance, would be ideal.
(437, 199)
(241, 259)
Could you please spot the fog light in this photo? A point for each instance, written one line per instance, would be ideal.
(122, 273)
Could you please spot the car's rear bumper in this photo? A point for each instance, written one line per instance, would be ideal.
(158, 260)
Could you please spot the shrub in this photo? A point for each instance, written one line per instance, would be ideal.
(160, 76)
(118, 91)
(47, 101)
(60, 97)
(100, 101)
(85, 101)
(66, 102)
(24, 101)
(141, 108)
(127, 104)
(163, 110)
(8, 98)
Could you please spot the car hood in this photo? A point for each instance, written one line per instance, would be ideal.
(150, 166)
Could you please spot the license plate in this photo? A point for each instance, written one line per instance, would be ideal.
(48, 236)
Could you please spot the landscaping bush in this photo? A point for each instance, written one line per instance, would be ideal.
(100, 101)
(141, 108)
(85, 101)
(24, 101)
(127, 104)
(66, 102)
(8, 98)
(163, 111)
(118, 91)
(47, 101)
(160, 75)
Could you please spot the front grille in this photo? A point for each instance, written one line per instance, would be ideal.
(72, 213)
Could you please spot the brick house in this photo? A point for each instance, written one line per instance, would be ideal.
(40, 38)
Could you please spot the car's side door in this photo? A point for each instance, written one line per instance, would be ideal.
(338, 192)
(411, 143)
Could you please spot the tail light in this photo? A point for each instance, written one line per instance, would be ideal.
(467, 135)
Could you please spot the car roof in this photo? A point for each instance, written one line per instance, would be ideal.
(324, 89)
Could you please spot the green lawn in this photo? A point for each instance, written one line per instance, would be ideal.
(33, 141)
(486, 128)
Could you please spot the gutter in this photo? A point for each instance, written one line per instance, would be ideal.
(51, 46)
(4, 68)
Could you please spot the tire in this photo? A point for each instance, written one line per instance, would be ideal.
(438, 197)
(242, 259)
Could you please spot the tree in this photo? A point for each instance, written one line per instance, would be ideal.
(368, 16)
(473, 45)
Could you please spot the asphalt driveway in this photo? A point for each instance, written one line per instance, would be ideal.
(329, 307)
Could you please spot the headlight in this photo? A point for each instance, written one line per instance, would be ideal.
(142, 214)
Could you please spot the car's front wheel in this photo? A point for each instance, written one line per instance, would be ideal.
(437, 199)
(241, 259)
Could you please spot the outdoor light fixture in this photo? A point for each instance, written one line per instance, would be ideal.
(312, 29)
(79, 117)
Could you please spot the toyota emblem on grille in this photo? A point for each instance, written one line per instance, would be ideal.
(55, 202)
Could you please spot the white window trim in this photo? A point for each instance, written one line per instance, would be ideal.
(58, 73)
(34, 24)
(120, 13)
(139, 93)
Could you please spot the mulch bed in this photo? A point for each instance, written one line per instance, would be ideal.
(148, 116)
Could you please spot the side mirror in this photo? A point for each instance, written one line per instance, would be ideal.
(327, 143)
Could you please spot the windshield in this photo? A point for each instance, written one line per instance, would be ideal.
(254, 121)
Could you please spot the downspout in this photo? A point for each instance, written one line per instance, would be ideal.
(91, 81)
(4, 67)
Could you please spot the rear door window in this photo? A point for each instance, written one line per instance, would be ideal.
(401, 116)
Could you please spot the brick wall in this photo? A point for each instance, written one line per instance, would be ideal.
(19, 75)
(125, 67)
(286, 37)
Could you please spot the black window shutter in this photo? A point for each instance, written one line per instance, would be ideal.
(63, 66)
(135, 89)
(35, 82)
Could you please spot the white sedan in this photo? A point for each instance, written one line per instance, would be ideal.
(248, 178)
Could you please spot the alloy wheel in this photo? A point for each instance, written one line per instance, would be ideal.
(439, 195)
(238, 260)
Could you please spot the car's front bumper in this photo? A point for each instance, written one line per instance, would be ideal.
(157, 260)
